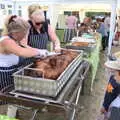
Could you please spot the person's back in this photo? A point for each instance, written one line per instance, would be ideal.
(107, 23)
(101, 29)
(41, 31)
(71, 22)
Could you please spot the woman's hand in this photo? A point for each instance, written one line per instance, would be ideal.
(54, 39)
(42, 53)
(102, 110)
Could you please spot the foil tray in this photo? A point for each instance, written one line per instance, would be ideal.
(43, 86)
(87, 49)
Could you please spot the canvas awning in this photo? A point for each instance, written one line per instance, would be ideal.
(113, 4)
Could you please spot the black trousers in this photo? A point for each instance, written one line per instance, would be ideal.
(104, 42)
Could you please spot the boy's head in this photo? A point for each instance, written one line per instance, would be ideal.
(113, 66)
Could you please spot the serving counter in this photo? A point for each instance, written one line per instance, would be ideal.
(93, 59)
(66, 101)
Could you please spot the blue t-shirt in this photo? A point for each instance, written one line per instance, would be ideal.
(112, 91)
(101, 30)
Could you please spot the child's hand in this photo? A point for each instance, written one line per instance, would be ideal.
(102, 110)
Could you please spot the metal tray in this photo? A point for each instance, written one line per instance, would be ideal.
(42, 86)
(87, 49)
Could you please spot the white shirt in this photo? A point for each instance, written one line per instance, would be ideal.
(107, 24)
(7, 60)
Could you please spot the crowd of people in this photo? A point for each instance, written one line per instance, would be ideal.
(89, 25)
(92, 24)
(111, 103)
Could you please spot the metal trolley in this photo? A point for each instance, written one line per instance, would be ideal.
(66, 100)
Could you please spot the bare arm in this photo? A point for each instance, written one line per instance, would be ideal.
(11, 46)
(53, 37)
(24, 41)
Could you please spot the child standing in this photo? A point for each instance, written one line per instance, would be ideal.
(113, 87)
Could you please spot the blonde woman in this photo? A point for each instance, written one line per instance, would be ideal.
(32, 8)
(40, 31)
(12, 50)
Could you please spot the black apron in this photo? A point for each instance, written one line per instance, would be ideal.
(69, 34)
(39, 41)
(6, 78)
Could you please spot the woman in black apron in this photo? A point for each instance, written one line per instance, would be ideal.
(36, 39)
(40, 32)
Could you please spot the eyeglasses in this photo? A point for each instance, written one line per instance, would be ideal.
(39, 23)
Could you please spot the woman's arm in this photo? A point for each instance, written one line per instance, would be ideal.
(23, 42)
(11, 46)
(53, 37)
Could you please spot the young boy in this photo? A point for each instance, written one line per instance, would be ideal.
(113, 87)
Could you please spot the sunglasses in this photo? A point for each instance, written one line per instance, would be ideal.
(39, 23)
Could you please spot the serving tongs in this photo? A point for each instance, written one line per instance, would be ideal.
(53, 54)
(73, 50)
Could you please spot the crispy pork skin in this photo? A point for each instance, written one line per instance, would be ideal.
(52, 67)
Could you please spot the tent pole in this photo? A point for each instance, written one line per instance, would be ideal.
(112, 25)
(14, 7)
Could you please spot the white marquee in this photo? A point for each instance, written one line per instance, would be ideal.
(113, 5)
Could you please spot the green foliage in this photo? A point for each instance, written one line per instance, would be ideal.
(60, 34)
(94, 60)
(4, 117)
(90, 14)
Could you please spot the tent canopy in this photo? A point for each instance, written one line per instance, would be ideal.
(113, 3)
(62, 1)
